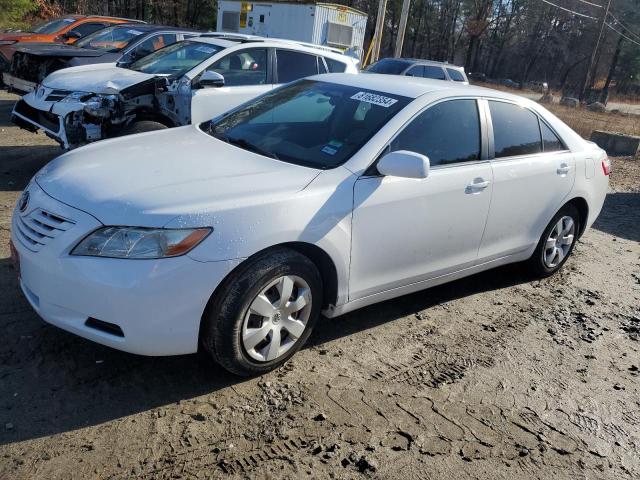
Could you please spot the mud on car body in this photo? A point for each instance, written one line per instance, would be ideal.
(123, 43)
(188, 82)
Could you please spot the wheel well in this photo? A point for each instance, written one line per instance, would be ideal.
(583, 209)
(318, 256)
(325, 266)
(153, 116)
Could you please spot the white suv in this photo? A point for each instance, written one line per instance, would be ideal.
(327, 194)
(187, 82)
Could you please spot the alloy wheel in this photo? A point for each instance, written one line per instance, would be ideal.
(559, 242)
(276, 318)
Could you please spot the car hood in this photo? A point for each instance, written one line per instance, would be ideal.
(95, 78)
(17, 36)
(150, 179)
(59, 50)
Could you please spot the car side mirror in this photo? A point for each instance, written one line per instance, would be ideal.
(404, 163)
(209, 78)
(72, 35)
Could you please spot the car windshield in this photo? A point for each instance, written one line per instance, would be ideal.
(176, 59)
(52, 26)
(111, 38)
(389, 66)
(311, 123)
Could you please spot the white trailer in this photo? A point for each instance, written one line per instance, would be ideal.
(328, 24)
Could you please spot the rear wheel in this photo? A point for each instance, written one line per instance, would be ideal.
(263, 313)
(557, 242)
(142, 126)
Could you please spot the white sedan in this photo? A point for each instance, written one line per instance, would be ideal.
(325, 195)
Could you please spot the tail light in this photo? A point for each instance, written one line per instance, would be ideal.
(606, 165)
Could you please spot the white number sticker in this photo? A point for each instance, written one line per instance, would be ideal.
(385, 102)
(134, 32)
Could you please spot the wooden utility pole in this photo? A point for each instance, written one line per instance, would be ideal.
(402, 27)
(377, 34)
(592, 63)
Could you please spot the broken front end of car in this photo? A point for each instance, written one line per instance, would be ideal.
(74, 119)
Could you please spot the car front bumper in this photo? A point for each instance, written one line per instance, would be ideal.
(17, 84)
(152, 307)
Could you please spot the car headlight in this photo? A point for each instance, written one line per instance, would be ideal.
(138, 242)
(76, 97)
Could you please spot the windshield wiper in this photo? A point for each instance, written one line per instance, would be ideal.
(242, 143)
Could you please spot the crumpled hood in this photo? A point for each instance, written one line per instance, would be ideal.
(95, 78)
(59, 50)
(149, 179)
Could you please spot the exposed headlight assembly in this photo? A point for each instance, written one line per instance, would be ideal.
(76, 97)
(100, 105)
(140, 243)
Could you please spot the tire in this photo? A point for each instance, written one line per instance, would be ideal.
(232, 324)
(539, 263)
(142, 126)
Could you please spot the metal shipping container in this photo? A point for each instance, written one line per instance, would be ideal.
(320, 23)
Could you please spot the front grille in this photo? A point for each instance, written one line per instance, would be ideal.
(46, 119)
(39, 227)
(57, 95)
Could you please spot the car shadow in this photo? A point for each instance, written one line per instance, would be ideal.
(622, 218)
(6, 107)
(53, 382)
(21, 162)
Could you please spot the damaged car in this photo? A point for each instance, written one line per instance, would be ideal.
(123, 43)
(188, 82)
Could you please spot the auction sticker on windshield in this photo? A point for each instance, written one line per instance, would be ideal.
(385, 102)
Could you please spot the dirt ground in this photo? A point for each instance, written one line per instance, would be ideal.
(497, 376)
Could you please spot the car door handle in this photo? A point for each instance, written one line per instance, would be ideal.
(477, 185)
(563, 169)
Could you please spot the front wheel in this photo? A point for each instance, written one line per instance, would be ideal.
(557, 242)
(263, 313)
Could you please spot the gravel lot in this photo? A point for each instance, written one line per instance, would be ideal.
(494, 376)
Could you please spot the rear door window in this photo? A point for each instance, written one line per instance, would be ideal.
(550, 141)
(455, 75)
(431, 71)
(335, 66)
(431, 133)
(417, 71)
(516, 130)
(295, 65)
(243, 68)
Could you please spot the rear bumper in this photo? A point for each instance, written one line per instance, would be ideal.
(18, 84)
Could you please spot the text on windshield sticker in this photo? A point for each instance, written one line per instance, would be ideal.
(385, 102)
(205, 49)
(134, 32)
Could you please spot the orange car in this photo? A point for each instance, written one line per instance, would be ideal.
(61, 30)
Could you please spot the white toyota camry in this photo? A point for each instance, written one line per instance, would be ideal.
(325, 195)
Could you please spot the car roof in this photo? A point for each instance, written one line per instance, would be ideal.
(412, 87)
(270, 43)
(421, 61)
(144, 27)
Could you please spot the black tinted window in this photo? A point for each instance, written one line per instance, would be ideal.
(433, 72)
(448, 132)
(455, 75)
(515, 130)
(416, 71)
(550, 140)
(389, 66)
(335, 66)
(87, 28)
(242, 68)
(295, 65)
